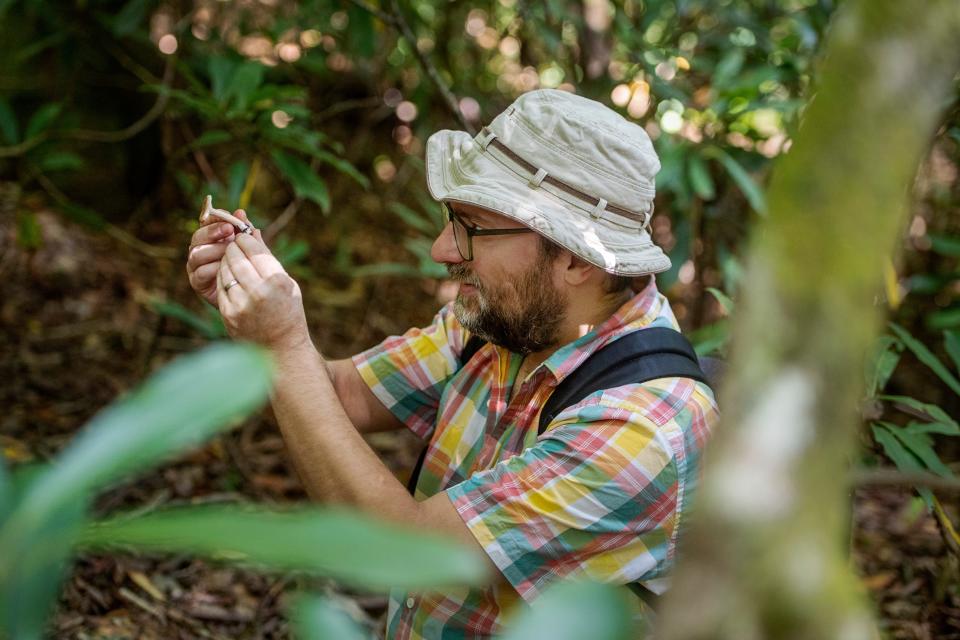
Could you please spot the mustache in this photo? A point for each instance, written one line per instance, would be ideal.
(461, 273)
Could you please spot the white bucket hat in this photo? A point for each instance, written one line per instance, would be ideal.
(568, 167)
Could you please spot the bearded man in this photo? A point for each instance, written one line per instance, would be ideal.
(548, 213)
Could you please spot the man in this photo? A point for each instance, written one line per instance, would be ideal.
(548, 211)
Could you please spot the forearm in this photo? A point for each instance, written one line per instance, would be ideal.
(334, 461)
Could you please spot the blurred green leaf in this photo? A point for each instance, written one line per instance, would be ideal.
(211, 137)
(245, 79)
(29, 235)
(177, 408)
(951, 342)
(700, 178)
(360, 29)
(723, 299)
(305, 182)
(744, 181)
(943, 319)
(236, 179)
(574, 611)
(221, 70)
(130, 17)
(42, 119)
(880, 363)
(945, 245)
(60, 161)
(317, 618)
(211, 327)
(342, 166)
(926, 357)
(921, 445)
(414, 219)
(84, 215)
(289, 252)
(711, 338)
(6, 491)
(344, 545)
(9, 130)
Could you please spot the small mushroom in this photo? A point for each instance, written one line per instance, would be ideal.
(208, 211)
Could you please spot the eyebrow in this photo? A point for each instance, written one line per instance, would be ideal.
(477, 217)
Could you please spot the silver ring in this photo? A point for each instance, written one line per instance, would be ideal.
(230, 284)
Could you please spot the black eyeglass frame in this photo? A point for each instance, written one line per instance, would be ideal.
(472, 231)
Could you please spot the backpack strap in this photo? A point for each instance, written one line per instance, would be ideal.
(638, 357)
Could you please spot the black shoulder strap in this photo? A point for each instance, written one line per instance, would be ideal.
(641, 356)
(474, 344)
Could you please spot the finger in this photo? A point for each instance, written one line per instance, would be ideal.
(204, 276)
(202, 254)
(259, 255)
(241, 267)
(236, 292)
(209, 232)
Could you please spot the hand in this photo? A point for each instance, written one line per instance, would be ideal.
(265, 305)
(207, 246)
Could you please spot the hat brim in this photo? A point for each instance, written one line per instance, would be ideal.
(458, 170)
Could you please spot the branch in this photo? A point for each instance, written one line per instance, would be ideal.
(101, 136)
(889, 476)
(396, 20)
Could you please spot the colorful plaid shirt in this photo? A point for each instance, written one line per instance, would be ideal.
(599, 495)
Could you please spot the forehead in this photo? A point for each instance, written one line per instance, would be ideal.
(481, 215)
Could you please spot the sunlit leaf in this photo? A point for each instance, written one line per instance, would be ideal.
(317, 618)
(926, 357)
(9, 129)
(347, 546)
(42, 119)
(305, 182)
(574, 611)
(751, 190)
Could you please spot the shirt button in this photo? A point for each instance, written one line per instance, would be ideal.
(411, 602)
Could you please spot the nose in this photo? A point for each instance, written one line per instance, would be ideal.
(444, 249)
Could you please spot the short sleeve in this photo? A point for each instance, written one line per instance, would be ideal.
(408, 373)
(596, 497)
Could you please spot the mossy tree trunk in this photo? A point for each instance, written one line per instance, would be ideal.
(767, 556)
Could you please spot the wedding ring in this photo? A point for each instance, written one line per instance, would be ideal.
(230, 284)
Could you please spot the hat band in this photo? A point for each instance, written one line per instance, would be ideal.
(537, 176)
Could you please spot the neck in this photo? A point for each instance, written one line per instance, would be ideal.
(581, 318)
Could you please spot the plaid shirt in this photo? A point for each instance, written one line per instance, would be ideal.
(599, 495)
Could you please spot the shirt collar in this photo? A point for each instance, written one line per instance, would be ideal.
(646, 308)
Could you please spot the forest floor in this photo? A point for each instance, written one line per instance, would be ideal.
(78, 328)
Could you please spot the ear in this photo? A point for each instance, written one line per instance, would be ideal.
(576, 270)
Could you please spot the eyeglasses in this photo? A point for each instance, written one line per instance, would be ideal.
(463, 233)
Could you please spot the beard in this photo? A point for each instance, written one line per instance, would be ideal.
(523, 318)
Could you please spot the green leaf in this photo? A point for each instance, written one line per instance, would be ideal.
(951, 342)
(245, 80)
(237, 178)
(60, 161)
(32, 566)
(723, 299)
(210, 138)
(84, 215)
(936, 413)
(9, 130)
(744, 181)
(943, 319)
(317, 618)
(921, 445)
(29, 234)
(130, 17)
(700, 178)
(305, 182)
(896, 452)
(342, 166)
(220, 70)
(347, 546)
(6, 491)
(212, 328)
(177, 408)
(926, 357)
(939, 428)
(363, 38)
(880, 363)
(413, 218)
(711, 338)
(577, 610)
(42, 119)
(945, 245)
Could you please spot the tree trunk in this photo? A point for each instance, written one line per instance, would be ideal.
(767, 554)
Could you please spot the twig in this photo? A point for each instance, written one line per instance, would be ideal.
(895, 477)
(282, 220)
(396, 20)
(101, 136)
(346, 105)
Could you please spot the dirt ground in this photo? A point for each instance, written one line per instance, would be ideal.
(77, 328)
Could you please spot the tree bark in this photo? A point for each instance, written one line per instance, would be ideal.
(766, 556)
